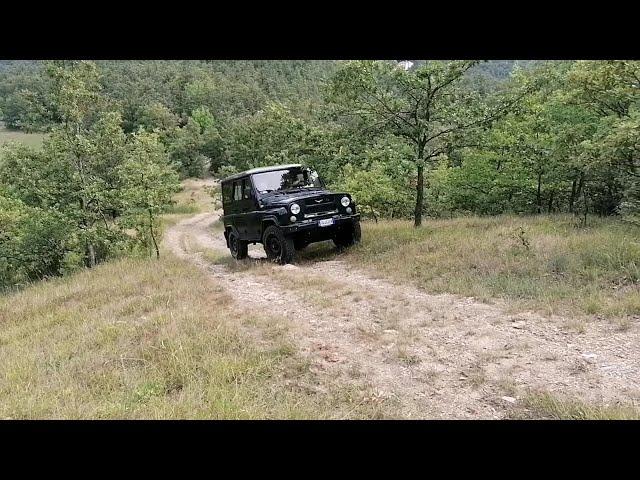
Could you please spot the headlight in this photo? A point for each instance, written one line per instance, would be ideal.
(295, 208)
(345, 201)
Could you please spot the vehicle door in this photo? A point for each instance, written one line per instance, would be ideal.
(227, 198)
(250, 206)
(237, 209)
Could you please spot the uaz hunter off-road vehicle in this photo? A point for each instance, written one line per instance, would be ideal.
(285, 208)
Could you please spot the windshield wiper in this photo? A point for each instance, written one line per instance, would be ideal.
(284, 191)
(299, 188)
(271, 192)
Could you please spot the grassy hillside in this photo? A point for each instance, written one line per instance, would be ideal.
(150, 339)
(544, 263)
(159, 339)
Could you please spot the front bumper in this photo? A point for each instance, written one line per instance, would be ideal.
(307, 226)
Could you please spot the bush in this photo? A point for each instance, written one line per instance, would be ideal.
(34, 243)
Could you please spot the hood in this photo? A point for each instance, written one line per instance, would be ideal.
(298, 196)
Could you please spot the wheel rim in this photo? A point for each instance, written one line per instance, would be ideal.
(274, 246)
(233, 244)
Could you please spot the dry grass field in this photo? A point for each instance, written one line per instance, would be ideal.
(151, 339)
(30, 139)
(544, 263)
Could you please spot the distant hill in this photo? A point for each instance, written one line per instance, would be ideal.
(485, 77)
(9, 64)
(493, 70)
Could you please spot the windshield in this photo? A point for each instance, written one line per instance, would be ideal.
(286, 179)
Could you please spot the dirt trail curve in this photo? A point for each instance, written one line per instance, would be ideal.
(432, 356)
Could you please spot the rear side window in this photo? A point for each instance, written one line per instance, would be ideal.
(246, 188)
(227, 192)
(237, 190)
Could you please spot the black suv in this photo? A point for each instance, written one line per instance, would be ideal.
(285, 207)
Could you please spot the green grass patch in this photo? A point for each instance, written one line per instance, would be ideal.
(182, 209)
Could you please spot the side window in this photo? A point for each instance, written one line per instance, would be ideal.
(227, 193)
(237, 190)
(246, 188)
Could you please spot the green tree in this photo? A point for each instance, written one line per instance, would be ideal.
(157, 117)
(148, 184)
(34, 242)
(426, 106)
(185, 147)
(610, 90)
(273, 135)
(373, 190)
(79, 173)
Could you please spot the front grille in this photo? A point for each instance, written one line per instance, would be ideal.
(325, 205)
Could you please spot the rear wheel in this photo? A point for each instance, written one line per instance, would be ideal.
(349, 236)
(279, 248)
(238, 248)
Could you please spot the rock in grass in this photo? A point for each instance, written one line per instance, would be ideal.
(289, 266)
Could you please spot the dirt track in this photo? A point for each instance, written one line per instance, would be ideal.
(427, 356)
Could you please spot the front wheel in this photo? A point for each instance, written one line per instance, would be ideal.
(279, 248)
(349, 236)
(239, 249)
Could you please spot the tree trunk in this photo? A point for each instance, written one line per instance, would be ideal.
(419, 195)
(580, 184)
(586, 207)
(153, 237)
(91, 255)
(538, 194)
(572, 198)
(579, 188)
(550, 202)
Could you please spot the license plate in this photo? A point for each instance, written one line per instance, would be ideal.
(326, 222)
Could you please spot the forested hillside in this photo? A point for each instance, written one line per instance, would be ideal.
(443, 138)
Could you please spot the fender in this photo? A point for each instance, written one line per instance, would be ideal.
(272, 217)
(227, 229)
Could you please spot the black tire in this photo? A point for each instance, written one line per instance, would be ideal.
(279, 248)
(239, 249)
(348, 237)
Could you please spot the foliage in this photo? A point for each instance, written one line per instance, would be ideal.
(564, 150)
(273, 135)
(458, 137)
(148, 184)
(76, 200)
(33, 243)
(427, 106)
(381, 179)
